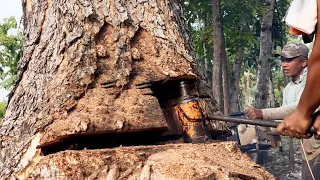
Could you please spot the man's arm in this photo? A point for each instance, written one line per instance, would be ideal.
(271, 113)
(279, 112)
(297, 123)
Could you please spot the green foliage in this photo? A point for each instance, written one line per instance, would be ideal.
(277, 79)
(199, 19)
(198, 15)
(238, 20)
(3, 106)
(241, 26)
(10, 51)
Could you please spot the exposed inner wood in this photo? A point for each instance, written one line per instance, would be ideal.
(171, 161)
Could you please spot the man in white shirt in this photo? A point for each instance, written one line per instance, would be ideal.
(294, 64)
(294, 58)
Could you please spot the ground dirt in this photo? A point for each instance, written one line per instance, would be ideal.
(277, 162)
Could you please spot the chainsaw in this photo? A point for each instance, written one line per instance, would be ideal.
(193, 122)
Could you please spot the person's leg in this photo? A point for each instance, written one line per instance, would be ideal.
(315, 167)
(305, 171)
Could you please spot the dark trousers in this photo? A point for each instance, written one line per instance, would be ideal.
(315, 167)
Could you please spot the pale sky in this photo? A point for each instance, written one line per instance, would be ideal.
(9, 8)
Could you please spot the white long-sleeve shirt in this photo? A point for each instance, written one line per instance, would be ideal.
(291, 96)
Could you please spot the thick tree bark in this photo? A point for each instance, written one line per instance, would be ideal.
(90, 67)
(235, 80)
(219, 77)
(263, 72)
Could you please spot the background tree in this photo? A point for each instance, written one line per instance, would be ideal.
(10, 54)
(3, 106)
(10, 51)
(266, 46)
(241, 21)
(219, 77)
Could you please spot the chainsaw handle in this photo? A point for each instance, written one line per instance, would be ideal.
(245, 121)
(265, 123)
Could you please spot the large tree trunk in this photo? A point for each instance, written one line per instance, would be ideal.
(219, 77)
(263, 72)
(235, 80)
(94, 72)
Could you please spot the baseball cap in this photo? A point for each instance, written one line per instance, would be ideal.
(292, 50)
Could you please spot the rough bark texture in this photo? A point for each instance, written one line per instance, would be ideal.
(88, 67)
(217, 54)
(235, 80)
(263, 73)
(180, 161)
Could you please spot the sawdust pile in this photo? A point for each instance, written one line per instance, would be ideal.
(174, 161)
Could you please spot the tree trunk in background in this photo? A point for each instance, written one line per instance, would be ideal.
(286, 80)
(219, 59)
(235, 80)
(206, 61)
(207, 50)
(248, 82)
(207, 65)
(225, 78)
(204, 47)
(88, 68)
(263, 72)
(272, 99)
